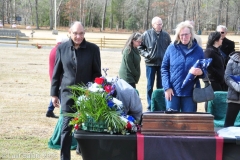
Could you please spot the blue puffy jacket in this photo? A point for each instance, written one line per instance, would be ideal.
(176, 65)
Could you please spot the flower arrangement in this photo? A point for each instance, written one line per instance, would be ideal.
(98, 110)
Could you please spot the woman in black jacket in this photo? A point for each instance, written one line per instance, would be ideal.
(216, 68)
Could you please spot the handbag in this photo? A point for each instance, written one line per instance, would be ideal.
(203, 94)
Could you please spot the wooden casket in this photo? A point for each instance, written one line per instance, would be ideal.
(177, 124)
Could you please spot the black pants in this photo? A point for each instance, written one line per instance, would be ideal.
(218, 86)
(232, 112)
(66, 139)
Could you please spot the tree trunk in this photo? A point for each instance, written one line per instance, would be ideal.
(111, 16)
(147, 14)
(198, 15)
(185, 6)
(219, 21)
(51, 13)
(31, 12)
(3, 12)
(70, 13)
(226, 18)
(172, 16)
(104, 15)
(122, 22)
(36, 6)
(92, 16)
(175, 15)
(58, 12)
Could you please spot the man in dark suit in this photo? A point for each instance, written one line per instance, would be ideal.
(228, 46)
(77, 61)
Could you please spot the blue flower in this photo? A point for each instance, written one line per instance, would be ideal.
(110, 103)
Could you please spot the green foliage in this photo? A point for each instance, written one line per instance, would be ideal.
(94, 105)
(131, 23)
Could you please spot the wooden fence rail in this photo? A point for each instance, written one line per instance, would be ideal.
(101, 42)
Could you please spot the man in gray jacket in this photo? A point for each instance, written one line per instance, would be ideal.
(154, 44)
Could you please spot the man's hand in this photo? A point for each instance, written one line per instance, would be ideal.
(55, 101)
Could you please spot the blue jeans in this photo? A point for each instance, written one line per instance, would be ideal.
(151, 72)
(50, 107)
(183, 104)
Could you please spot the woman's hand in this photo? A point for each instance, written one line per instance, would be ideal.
(169, 94)
(195, 71)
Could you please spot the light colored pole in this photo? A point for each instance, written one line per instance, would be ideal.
(55, 19)
(55, 6)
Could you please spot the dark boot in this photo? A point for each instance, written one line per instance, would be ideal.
(51, 114)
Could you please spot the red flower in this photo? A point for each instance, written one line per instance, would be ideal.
(108, 88)
(99, 80)
(76, 126)
(75, 118)
(128, 126)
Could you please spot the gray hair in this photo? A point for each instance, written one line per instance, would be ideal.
(155, 19)
(178, 29)
(221, 26)
(75, 22)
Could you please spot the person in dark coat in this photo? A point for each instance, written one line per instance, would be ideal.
(233, 97)
(216, 68)
(77, 62)
(154, 44)
(227, 46)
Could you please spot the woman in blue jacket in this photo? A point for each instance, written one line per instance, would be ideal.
(178, 60)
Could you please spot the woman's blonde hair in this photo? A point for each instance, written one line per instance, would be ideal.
(178, 29)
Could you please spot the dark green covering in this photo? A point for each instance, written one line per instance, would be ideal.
(54, 141)
(218, 108)
(158, 100)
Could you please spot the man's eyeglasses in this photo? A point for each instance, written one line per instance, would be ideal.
(222, 32)
(80, 34)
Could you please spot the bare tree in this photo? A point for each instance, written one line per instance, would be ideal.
(219, 21)
(226, 15)
(3, 11)
(90, 17)
(36, 7)
(111, 16)
(171, 15)
(198, 15)
(58, 11)
(104, 15)
(236, 17)
(147, 14)
(51, 13)
(185, 7)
